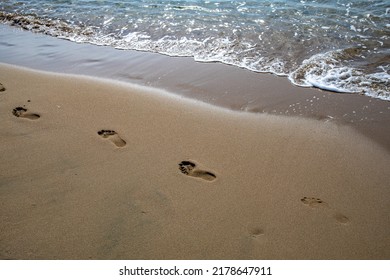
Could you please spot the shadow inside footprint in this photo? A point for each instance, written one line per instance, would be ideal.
(313, 202)
(2, 88)
(113, 137)
(256, 232)
(189, 168)
(21, 112)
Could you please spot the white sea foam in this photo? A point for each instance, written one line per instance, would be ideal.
(327, 71)
(285, 37)
(107, 21)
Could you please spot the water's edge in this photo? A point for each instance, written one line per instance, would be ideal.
(214, 83)
(348, 55)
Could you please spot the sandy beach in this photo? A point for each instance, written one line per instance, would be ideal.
(218, 84)
(96, 169)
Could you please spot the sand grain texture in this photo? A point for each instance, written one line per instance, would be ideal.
(168, 178)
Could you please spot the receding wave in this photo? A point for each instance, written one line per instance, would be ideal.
(351, 57)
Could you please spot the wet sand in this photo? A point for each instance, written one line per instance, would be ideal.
(214, 83)
(96, 169)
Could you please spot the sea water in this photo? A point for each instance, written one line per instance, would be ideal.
(336, 45)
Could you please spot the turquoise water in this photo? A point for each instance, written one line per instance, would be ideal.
(342, 46)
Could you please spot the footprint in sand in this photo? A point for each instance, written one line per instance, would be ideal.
(313, 202)
(2, 88)
(113, 137)
(255, 232)
(21, 112)
(189, 168)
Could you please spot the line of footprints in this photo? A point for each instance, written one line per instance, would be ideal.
(190, 169)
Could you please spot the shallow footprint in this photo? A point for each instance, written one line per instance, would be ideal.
(340, 218)
(189, 168)
(256, 232)
(21, 112)
(2, 88)
(313, 202)
(113, 137)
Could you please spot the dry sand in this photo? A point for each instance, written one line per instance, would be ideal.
(103, 170)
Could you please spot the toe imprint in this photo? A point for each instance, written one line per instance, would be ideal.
(106, 133)
(113, 137)
(21, 112)
(313, 202)
(189, 168)
(186, 167)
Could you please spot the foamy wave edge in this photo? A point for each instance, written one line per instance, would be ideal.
(325, 71)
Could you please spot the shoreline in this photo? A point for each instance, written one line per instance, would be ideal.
(96, 169)
(218, 84)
